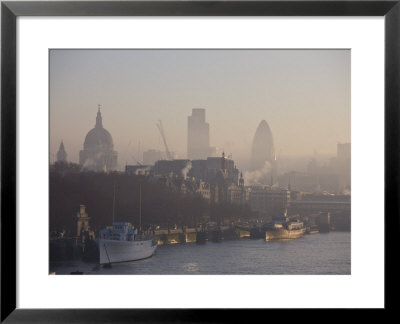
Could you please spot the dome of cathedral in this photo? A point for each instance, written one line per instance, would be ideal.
(98, 138)
(98, 149)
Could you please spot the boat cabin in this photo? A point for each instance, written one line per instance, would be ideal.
(120, 231)
(296, 224)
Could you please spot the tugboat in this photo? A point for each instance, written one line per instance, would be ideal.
(282, 228)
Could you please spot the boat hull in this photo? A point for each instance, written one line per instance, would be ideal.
(112, 251)
(283, 234)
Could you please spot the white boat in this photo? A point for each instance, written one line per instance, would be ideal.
(122, 243)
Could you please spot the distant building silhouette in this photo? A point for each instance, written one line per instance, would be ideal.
(343, 152)
(334, 177)
(151, 156)
(61, 154)
(269, 201)
(263, 147)
(344, 163)
(198, 140)
(98, 149)
(237, 193)
(222, 175)
(174, 167)
(263, 157)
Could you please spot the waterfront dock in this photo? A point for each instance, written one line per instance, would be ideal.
(188, 235)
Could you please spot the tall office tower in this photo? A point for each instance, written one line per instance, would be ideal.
(263, 151)
(344, 151)
(198, 140)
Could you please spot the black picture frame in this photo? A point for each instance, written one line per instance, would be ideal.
(10, 10)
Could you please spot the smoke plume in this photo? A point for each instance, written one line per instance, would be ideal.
(259, 176)
(186, 169)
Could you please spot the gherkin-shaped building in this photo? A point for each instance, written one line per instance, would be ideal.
(263, 151)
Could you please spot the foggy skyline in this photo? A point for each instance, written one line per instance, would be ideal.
(304, 95)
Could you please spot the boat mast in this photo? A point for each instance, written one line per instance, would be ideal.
(113, 213)
(140, 207)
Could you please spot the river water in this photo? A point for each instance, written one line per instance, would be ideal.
(312, 254)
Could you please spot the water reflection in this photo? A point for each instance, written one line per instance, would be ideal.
(191, 267)
(314, 254)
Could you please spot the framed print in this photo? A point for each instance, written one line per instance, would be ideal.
(183, 156)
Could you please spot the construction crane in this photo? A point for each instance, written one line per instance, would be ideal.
(161, 129)
(133, 156)
(137, 162)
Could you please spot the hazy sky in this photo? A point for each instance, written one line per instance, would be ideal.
(304, 95)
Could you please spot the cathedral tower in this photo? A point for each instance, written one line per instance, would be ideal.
(98, 149)
(61, 154)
